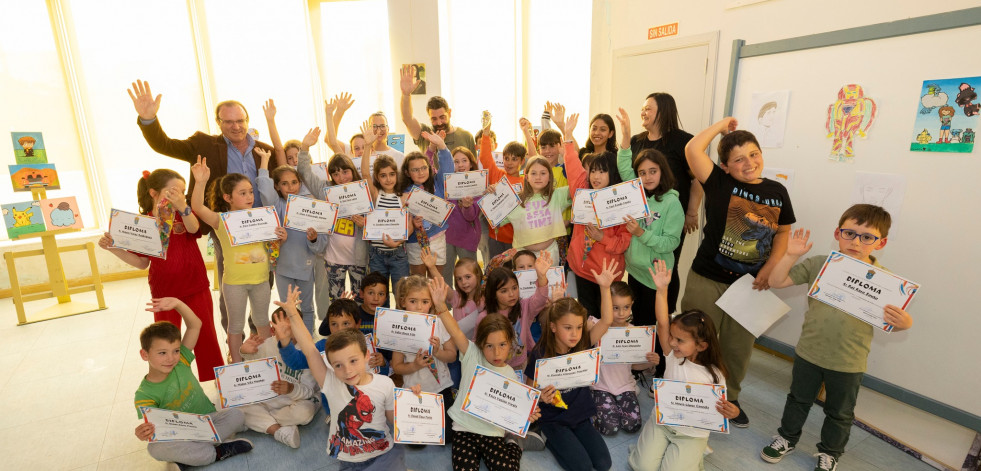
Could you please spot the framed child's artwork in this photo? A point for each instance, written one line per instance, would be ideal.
(29, 148)
(61, 213)
(25, 177)
(22, 218)
(947, 116)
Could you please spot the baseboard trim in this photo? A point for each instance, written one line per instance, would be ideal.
(107, 277)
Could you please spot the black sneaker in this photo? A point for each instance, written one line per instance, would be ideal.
(776, 450)
(741, 420)
(231, 448)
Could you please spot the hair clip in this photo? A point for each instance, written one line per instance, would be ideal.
(146, 174)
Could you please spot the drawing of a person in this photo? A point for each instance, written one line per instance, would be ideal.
(766, 116)
(27, 142)
(946, 115)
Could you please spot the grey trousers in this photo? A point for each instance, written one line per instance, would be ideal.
(227, 422)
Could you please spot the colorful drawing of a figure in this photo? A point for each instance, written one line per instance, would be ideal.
(968, 136)
(358, 411)
(761, 231)
(965, 96)
(946, 115)
(27, 142)
(845, 118)
(22, 218)
(923, 137)
(63, 215)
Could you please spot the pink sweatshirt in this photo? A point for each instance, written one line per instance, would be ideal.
(529, 310)
(467, 316)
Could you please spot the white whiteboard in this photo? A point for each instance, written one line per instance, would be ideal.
(934, 241)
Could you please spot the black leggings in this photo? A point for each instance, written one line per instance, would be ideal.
(470, 448)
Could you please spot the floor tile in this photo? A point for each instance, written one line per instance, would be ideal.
(64, 442)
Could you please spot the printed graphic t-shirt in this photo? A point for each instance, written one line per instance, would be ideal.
(358, 425)
(741, 220)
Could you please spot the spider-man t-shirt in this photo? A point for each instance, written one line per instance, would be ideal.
(358, 426)
(740, 222)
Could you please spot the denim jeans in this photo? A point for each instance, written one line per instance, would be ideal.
(392, 263)
(579, 447)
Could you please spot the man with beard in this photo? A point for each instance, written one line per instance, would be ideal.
(439, 115)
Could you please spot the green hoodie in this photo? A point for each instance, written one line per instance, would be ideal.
(662, 231)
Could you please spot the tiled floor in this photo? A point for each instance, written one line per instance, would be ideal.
(66, 402)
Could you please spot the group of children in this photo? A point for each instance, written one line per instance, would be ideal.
(484, 320)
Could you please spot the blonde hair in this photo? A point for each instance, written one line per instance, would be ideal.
(408, 285)
(526, 191)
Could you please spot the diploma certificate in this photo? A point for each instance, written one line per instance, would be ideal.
(528, 281)
(172, 426)
(303, 213)
(428, 206)
(678, 403)
(404, 331)
(247, 226)
(246, 382)
(136, 233)
(498, 205)
(394, 222)
(351, 198)
(463, 184)
(616, 202)
(568, 371)
(627, 344)
(582, 207)
(860, 289)
(504, 402)
(419, 419)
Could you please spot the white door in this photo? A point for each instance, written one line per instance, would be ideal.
(684, 68)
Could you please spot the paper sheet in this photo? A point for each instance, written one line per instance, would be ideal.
(754, 310)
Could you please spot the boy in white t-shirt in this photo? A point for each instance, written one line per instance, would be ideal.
(361, 403)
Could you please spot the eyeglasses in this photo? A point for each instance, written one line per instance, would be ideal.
(848, 234)
(240, 122)
(419, 170)
(379, 126)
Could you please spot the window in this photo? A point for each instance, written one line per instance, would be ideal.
(559, 46)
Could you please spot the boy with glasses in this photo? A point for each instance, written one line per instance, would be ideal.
(833, 346)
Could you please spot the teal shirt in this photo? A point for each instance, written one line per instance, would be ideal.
(662, 229)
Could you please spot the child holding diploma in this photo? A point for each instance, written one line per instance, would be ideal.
(294, 406)
(693, 356)
(538, 220)
(833, 346)
(300, 251)
(429, 371)
(502, 236)
(503, 298)
(387, 257)
(590, 246)
(346, 254)
(169, 384)
(747, 225)
(417, 173)
(568, 430)
(467, 300)
(246, 275)
(474, 439)
(615, 394)
(182, 274)
(360, 402)
(463, 236)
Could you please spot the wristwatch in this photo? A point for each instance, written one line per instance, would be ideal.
(186, 211)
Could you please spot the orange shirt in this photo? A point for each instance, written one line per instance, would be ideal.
(505, 233)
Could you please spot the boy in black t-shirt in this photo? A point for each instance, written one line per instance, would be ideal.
(747, 225)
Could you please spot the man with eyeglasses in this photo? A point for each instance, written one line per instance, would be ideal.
(439, 115)
(228, 152)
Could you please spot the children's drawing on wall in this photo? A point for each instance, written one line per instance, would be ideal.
(61, 213)
(947, 119)
(881, 189)
(852, 113)
(29, 148)
(769, 117)
(784, 176)
(22, 218)
(25, 177)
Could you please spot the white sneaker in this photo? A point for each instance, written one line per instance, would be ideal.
(826, 462)
(288, 435)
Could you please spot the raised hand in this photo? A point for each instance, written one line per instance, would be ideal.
(292, 300)
(263, 156)
(438, 289)
(558, 115)
(407, 81)
(608, 274)
(428, 257)
(660, 274)
(343, 101)
(330, 106)
(543, 262)
(799, 244)
(281, 328)
(163, 304)
(200, 170)
(624, 120)
(369, 135)
(310, 139)
(559, 290)
(570, 125)
(525, 125)
(144, 102)
(269, 108)
(435, 139)
(728, 125)
(251, 345)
